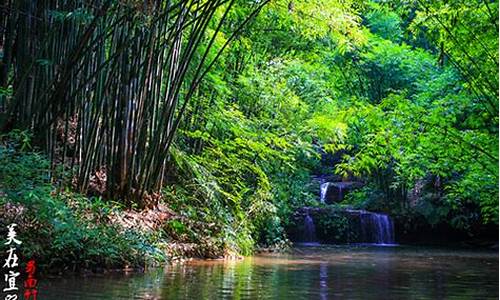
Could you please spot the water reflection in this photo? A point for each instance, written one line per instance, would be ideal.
(306, 273)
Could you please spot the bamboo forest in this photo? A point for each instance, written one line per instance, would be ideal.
(249, 149)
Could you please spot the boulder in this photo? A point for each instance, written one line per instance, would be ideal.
(334, 192)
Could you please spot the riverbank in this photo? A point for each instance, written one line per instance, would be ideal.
(67, 232)
(74, 234)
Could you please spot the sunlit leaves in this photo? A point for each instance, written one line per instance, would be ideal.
(384, 23)
(466, 36)
(346, 78)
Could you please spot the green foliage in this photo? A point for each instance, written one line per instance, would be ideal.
(403, 94)
(424, 118)
(384, 23)
(364, 81)
(334, 228)
(61, 229)
(367, 197)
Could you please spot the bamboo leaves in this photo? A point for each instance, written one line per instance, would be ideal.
(113, 77)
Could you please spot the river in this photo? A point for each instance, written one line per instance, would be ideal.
(312, 272)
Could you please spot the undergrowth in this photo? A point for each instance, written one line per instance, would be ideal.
(61, 229)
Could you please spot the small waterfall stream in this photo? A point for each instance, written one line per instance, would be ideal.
(334, 192)
(323, 190)
(366, 227)
(309, 230)
(376, 228)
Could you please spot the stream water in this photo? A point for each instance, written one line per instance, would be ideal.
(318, 272)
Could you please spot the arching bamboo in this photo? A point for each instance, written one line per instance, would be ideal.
(104, 83)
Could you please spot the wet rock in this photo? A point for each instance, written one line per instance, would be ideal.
(334, 192)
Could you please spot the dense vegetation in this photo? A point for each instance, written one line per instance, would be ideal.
(224, 110)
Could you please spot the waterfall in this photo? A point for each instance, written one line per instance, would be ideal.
(363, 227)
(323, 191)
(334, 192)
(309, 230)
(376, 228)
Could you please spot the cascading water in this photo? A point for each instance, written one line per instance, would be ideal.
(334, 192)
(309, 230)
(363, 227)
(376, 228)
(323, 191)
